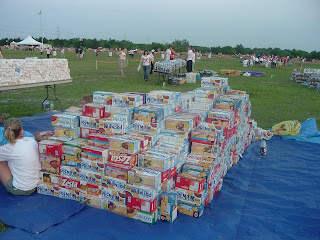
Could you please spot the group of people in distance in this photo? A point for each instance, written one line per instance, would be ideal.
(266, 61)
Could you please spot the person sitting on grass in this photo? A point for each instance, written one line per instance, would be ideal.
(19, 160)
(86, 99)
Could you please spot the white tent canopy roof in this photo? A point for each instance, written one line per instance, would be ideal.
(29, 41)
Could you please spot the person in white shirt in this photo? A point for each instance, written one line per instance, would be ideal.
(122, 60)
(169, 54)
(193, 59)
(152, 60)
(189, 59)
(62, 52)
(19, 160)
(145, 60)
(48, 52)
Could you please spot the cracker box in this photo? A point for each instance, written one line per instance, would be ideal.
(142, 96)
(90, 177)
(67, 132)
(114, 195)
(190, 183)
(142, 139)
(199, 148)
(157, 162)
(73, 110)
(147, 127)
(65, 120)
(49, 178)
(93, 110)
(100, 97)
(211, 93)
(173, 148)
(124, 144)
(215, 82)
(167, 185)
(123, 158)
(99, 140)
(145, 217)
(203, 126)
(90, 189)
(164, 154)
(193, 210)
(46, 134)
(179, 124)
(50, 163)
(174, 136)
(168, 203)
(73, 147)
(92, 166)
(205, 137)
(190, 196)
(61, 139)
(142, 192)
(152, 138)
(90, 200)
(109, 110)
(113, 127)
(201, 160)
(145, 177)
(140, 204)
(50, 147)
(89, 122)
(48, 189)
(118, 117)
(228, 103)
(148, 113)
(86, 131)
(114, 206)
(69, 183)
(114, 183)
(126, 100)
(71, 160)
(69, 172)
(116, 171)
(94, 154)
(197, 171)
(69, 194)
(159, 98)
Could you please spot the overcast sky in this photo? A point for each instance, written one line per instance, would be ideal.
(286, 24)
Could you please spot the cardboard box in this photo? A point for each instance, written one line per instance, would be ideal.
(69, 183)
(113, 206)
(190, 196)
(193, 210)
(117, 171)
(99, 140)
(123, 158)
(113, 127)
(114, 195)
(67, 132)
(147, 127)
(94, 154)
(92, 166)
(168, 203)
(69, 194)
(147, 113)
(141, 204)
(126, 100)
(114, 183)
(154, 161)
(70, 172)
(50, 147)
(71, 160)
(142, 192)
(65, 120)
(48, 189)
(93, 110)
(50, 163)
(124, 144)
(190, 183)
(86, 131)
(49, 178)
(89, 122)
(145, 177)
(90, 177)
(91, 201)
(145, 217)
(90, 189)
(100, 97)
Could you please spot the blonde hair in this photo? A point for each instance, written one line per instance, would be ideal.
(87, 99)
(13, 127)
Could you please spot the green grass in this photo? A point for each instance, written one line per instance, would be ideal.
(273, 100)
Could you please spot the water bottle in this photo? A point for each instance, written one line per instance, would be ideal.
(46, 105)
(164, 84)
(263, 148)
(51, 105)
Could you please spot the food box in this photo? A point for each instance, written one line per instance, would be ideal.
(205, 137)
(92, 201)
(89, 122)
(70, 172)
(190, 183)
(71, 160)
(69, 183)
(145, 217)
(211, 93)
(151, 137)
(200, 148)
(147, 113)
(114, 206)
(99, 140)
(145, 177)
(93, 110)
(50, 163)
(172, 148)
(86, 131)
(216, 82)
(228, 103)
(65, 120)
(190, 209)
(46, 134)
(126, 111)
(114, 195)
(50, 147)
(114, 183)
(90, 177)
(94, 154)
(140, 204)
(49, 178)
(90, 188)
(167, 205)
(142, 96)
(117, 171)
(123, 158)
(100, 97)
(159, 98)
(73, 147)
(118, 117)
(190, 196)
(179, 124)
(147, 127)
(141, 192)
(92, 166)
(197, 171)
(126, 100)
(67, 132)
(48, 189)
(69, 194)
(113, 127)
(155, 161)
(124, 144)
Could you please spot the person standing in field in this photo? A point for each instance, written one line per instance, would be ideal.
(145, 60)
(1, 56)
(122, 60)
(189, 59)
(152, 61)
(62, 52)
(41, 51)
(169, 54)
(193, 59)
(77, 53)
(81, 53)
(48, 52)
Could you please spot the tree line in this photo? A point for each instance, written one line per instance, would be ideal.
(178, 45)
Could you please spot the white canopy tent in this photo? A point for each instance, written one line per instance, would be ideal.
(29, 41)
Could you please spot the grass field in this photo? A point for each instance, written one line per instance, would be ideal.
(273, 99)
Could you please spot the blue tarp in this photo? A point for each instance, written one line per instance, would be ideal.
(275, 197)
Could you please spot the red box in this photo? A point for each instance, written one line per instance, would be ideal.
(50, 147)
(69, 183)
(172, 172)
(86, 131)
(164, 176)
(190, 183)
(142, 205)
(93, 110)
(123, 158)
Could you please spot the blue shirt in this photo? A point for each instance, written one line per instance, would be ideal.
(4, 141)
